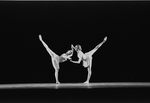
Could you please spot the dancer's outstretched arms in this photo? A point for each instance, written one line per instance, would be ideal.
(47, 48)
(97, 47)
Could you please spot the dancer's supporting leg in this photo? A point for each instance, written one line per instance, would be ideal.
(56, 67)
(89, 71)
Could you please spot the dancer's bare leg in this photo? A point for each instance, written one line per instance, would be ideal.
(52, 54)
(56, 67)
(56, 77)
(97, 47)
(89, 72)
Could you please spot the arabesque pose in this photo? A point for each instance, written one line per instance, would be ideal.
(57, 59)
(87, 57)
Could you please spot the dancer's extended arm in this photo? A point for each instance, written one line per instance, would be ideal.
(79, 60)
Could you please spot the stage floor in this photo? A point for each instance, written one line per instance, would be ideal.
(75, 85)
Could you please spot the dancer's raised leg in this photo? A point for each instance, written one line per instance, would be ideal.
(52, 54)
(97, 47)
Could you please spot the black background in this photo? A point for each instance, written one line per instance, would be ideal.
(123, 58)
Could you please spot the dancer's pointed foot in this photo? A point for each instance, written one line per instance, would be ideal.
(57, 82)
(86, 82)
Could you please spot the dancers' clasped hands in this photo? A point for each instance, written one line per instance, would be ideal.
(69, 53)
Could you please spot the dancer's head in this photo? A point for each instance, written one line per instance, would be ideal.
(77, 48)
(69, 53)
